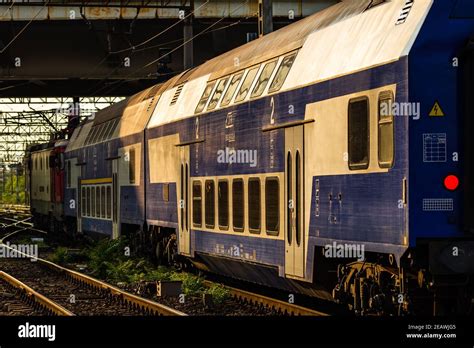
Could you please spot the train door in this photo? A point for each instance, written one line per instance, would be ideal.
(184, 240)
(294, 198)
(80, 199)
(115, 200)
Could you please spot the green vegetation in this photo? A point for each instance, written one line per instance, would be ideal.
(60, 256)
(104, 254)
(219, 293)
(8, 192)
(107, 260)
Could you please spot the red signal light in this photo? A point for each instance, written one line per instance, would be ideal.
(451, 182)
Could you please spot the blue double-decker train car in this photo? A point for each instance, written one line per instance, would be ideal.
(332, 157)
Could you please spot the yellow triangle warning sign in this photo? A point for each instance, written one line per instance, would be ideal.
(436, 111)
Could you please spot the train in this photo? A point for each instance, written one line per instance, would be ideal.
(331, 158)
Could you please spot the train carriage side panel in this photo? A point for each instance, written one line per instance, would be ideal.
(437, 153)
(358, 65)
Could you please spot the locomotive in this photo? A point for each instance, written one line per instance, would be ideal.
(332, 158)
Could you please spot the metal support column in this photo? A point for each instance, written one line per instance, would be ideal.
(17, 186)
(265, 17)
(188, 52)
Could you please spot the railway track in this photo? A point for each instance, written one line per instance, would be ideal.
(79, 293)
(16, 298)
(278, 306)
(83, 295)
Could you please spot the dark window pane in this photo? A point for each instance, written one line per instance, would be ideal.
(289, 203)
(263, 79)
(298, 198)
(197, 204)
(109, 202)
(359, 134)
(131, 165)
(223, 205)
(386, 131)
(272, 205)
(244, 89)
(88, 202)
(102, 202)
(181, 202)
(186, 185)
(210, 204)
(205, 97)
(238, 204)
(93, 202)
(69, 174)
(254, 205)
(282, 73)
(217, 94)
(97, 202)
(229, 94)
(83, 201)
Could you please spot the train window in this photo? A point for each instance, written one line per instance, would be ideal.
(244, 89)
(88, 202)
(111, 128)
(61, 161)
(374, 3)
(229, 94)
(41, 163)
(386, 130)
(83, 201)
(100, 132)
(238, 204)
(131, 165)
(186, 184)
(89, 137)
(97, 202)
(358, 127)
(106, 130)
(263, 79)
(103, 132)
(94, 132)
(93, 214)
(254, 205)
(223, 205)
(298, 197)
(210, 204)
(102, 202)
(181, 201)
(197, 204)
(69, 174)
(166, 192)
(217, 94)
(282, 73)
(95, 139)
(205, 97)
(289, 194)
(109, 202)
(272, 205)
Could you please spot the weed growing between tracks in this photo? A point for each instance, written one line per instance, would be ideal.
(107, 260)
